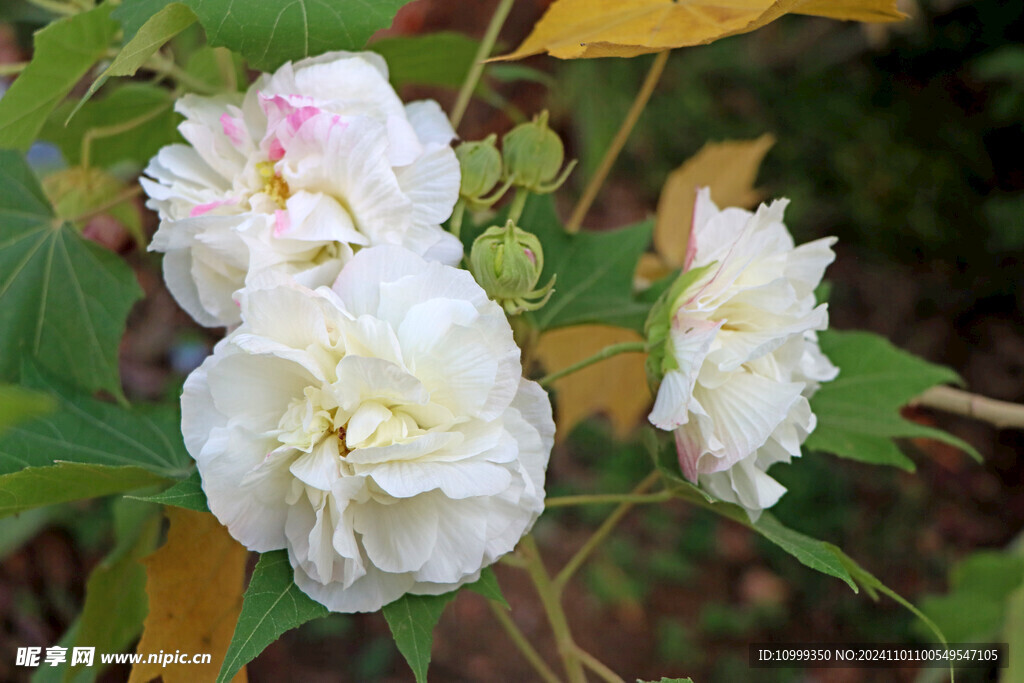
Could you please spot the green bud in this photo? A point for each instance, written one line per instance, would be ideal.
(507, 262)
(533, 155)
(480, 161)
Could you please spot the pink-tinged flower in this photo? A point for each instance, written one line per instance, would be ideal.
(740, 355)
(314, 162)
(381, 431)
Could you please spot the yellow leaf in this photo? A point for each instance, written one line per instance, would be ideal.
(728, 168)
(572, 29)
(616, 387)
(194, 583)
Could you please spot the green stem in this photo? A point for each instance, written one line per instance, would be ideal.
(612, 153)
(515, 210)
(550, 598)
(608, 498)
(167, 67)
(606, 352)
(56, 7)
(116, 129)
(522, 643)
(455, 227)
(12, 68)
(482, 53)
(598, 667)
(601, 533)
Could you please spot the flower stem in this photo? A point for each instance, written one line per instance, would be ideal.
(607, 498)
(550, 598)
(12, 68)
(515, 210)
(116, 129)
(605, 353)
(522, 643)
(601, 533)
(1002, 414)
(612, 153)
(598, 667)
(455, 226)
(482, 53)
(56, 7)
(167, 67)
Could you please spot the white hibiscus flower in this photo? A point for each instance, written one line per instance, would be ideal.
(741, 357)
(380, 431)
(313, 162)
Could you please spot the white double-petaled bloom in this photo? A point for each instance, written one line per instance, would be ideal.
(744, 352)
(380, 431)
(315, 161)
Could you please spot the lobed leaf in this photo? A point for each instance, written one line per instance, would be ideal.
(18, 404)
(272, 605)
(442, 58)
(272, 32)
(615, 387)
(61, 482)
(595, 271)
(729, 168)
(194, 584)
(858, 412)
(85, 431)
(64, 52)
(572, 29)
(187, 493)
(63, 299)
(412, 619)
(151, 36)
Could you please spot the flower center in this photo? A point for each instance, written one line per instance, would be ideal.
(274, 186)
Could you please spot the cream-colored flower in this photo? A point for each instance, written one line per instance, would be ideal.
(380, 431)
(741, 357)
(315, 161)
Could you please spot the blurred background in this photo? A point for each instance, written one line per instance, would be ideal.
(905, 141)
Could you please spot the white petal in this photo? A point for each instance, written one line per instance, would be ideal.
(399, 537)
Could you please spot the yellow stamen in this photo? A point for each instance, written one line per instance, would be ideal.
(274, 186)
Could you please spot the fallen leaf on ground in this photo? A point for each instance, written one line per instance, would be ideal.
(194, 583)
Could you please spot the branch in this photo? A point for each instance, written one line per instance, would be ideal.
(1002, 414)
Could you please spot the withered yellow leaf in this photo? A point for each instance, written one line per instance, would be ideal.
(728, 168)
(616, 387)
(194, 583)
(573, 29)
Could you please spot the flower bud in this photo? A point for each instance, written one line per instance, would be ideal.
(507, 262)
(533, 155)
(480, 161)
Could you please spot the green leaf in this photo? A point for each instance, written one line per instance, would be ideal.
(64, 52)
(272, 32)
(667, 680)
(151, 36)
(148, 105)
(272, 605)
(818, 555)
(87, 431)
(412, 619)
(115, 594)
(34, 487)
(18, 404)
(595, 270)
(63, 299)
(187, 493)
(980, 587)
(858, 412)
(487, 586)
(442, 58)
